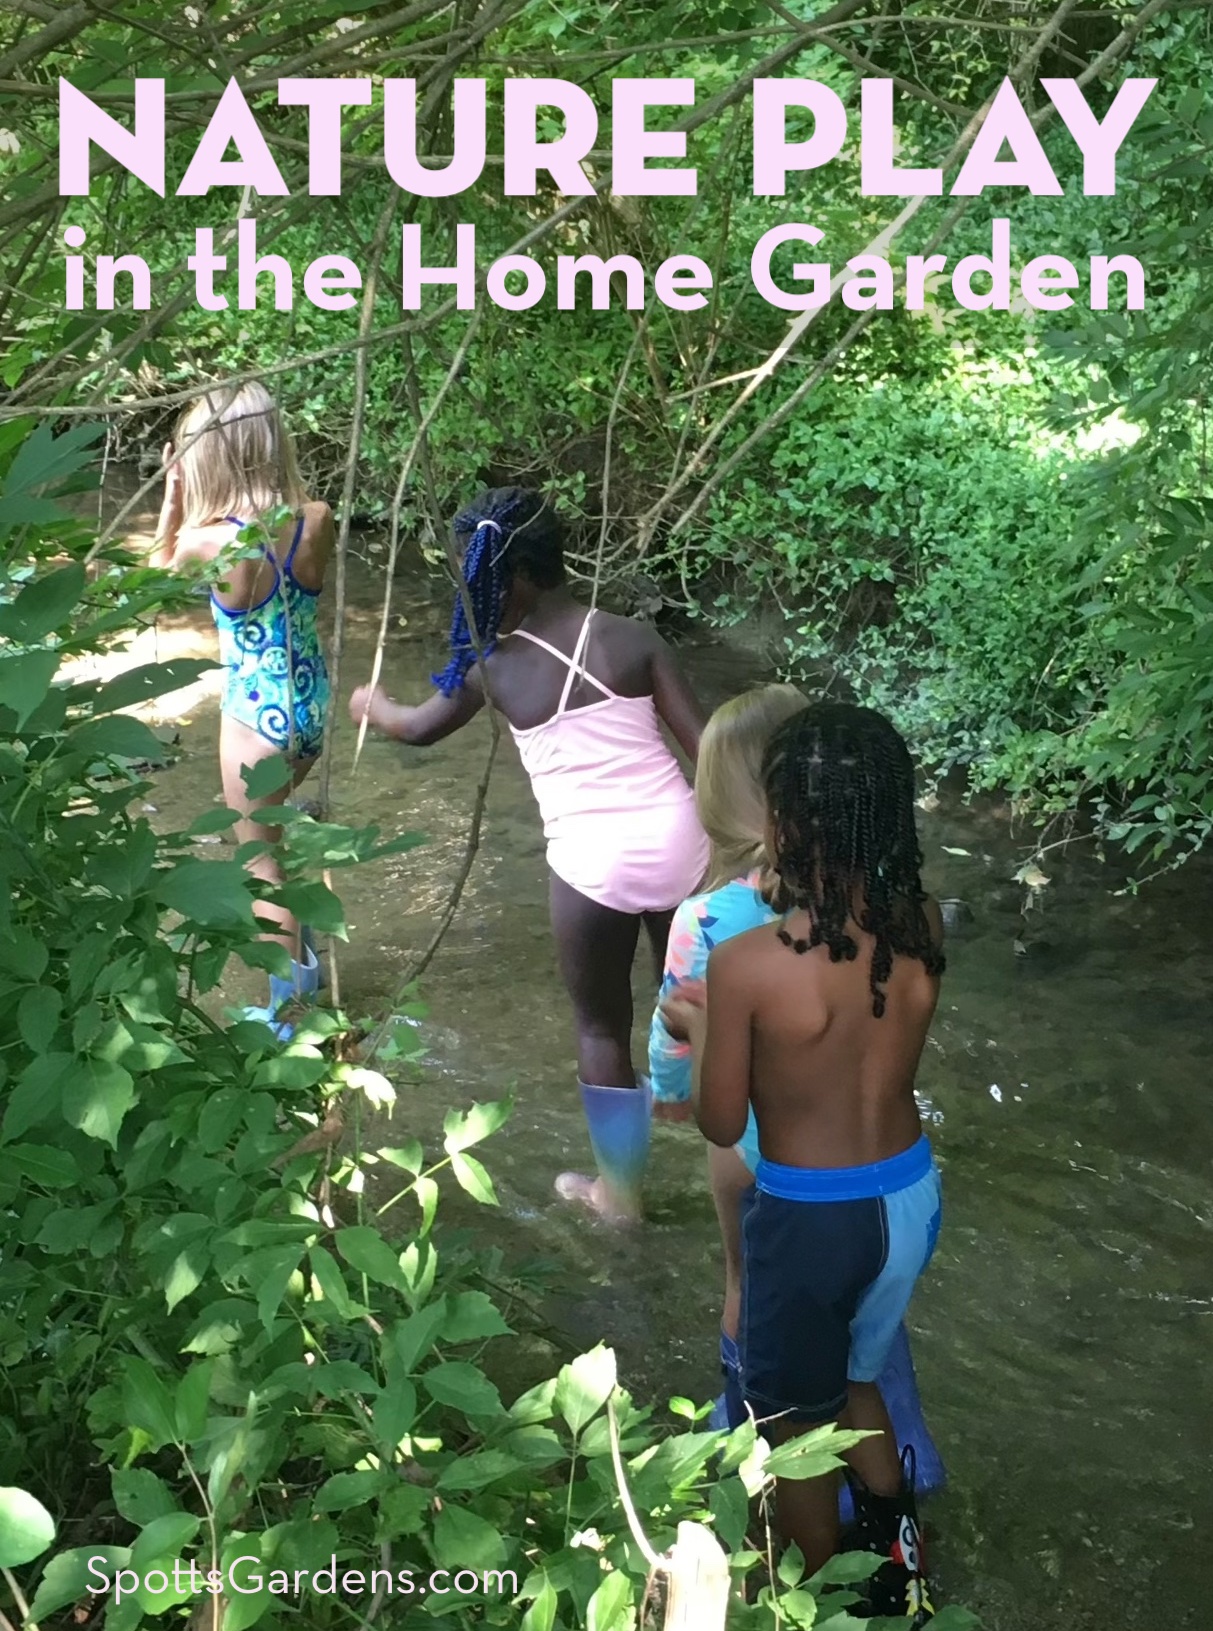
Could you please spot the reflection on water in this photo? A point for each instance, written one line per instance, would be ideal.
(1063, 1334)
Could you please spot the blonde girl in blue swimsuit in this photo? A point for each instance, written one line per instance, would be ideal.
(226, 478)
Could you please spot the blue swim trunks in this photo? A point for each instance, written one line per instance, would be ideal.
(832, 1255)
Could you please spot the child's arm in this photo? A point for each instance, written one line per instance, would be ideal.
(721, 1041)
(435, 718)
(675, 701)
(669, 1056)
(325, 541)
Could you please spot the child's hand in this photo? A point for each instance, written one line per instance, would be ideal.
(366, 703)
(683, 1012)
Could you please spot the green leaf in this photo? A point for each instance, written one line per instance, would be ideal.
(38, 1016)
(366, 1250)
(96, 1097)
(465, 1540)
(43, 1164)
(276, 1268)
(117, 736)
(462, 1387)
(791, 1566)
(536, 1404)
(610, 1608)
(395, 1412)
(474, 1472)
(846, 1569)
(413, 1337)
(269, 775)
(472, 1316)
(346, 1489)
(25, 680)
(42, 605)
(148, 681)
(186, 1273)
(812, 1454)
(164, 1537)
(193, 1401)
(314, 903)
(71, 1229)
(584, 1386)
(71, 1576)
(213, 894)
(541, 1616)
(147, 1402)
(465, 1128)
(409, 1157)
(473, 1177)
(730, 1506)
(140, 1496)
(331, 1282)
(26, 1527)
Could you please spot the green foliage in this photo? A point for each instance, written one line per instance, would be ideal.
(994, 533)
(224, 1372)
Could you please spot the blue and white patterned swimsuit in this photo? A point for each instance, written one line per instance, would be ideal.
(699, 924)
(277, 681)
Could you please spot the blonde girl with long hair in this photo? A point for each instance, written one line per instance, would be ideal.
(732, 809)
(231, 465)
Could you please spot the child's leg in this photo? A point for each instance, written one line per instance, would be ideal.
(657, 927)
(806, 1508)
(875, 1460)
(730, 1179)
(596, 948)
(241, 748)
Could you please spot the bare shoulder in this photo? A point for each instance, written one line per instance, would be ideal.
(738, 957)
(200, 543)
(624, 633)
(317, 515)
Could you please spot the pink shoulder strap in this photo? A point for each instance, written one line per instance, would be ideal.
(575, 664)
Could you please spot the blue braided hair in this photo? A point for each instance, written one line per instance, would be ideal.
(511, 532)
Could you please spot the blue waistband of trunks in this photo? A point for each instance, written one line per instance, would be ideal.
(846, 1183)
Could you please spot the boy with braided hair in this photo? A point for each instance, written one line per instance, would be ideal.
(818, 1020)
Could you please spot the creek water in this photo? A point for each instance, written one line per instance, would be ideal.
(1063, 1334)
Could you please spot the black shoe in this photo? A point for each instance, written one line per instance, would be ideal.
(888, 1525)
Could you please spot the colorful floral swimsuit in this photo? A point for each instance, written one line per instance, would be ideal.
(277, 682)
(700, 923)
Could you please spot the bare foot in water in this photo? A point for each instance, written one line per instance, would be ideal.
(593, 1194)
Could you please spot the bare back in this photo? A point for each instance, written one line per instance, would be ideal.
(527, 681)
(248, 582)
(830, 1084)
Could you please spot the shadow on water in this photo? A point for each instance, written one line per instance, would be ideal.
(1063, 1334)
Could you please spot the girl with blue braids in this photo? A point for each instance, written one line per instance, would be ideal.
(585, 695)
(236, 465)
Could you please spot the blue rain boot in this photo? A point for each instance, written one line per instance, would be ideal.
(619, 1120)
(307, 942)
(302, 986)
(899, 1390)
(729, 1411)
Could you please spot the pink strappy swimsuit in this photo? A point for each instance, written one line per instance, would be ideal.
(617, 812)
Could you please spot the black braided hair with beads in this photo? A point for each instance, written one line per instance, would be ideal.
(507, 532)
(840, 793)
